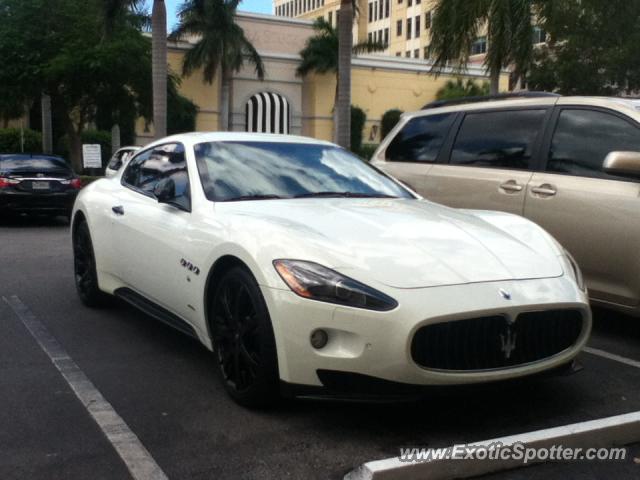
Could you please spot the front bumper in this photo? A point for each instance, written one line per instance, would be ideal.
(21, 202)
(378, 344)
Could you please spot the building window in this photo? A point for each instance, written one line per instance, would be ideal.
(539, 35)
(386, 36)
(427, 52)
(408, 28)
(479, 46)
(330, 19)
(386, 8)
(427, 20)
(418, 2)
(399, 28)
(409, 3)
(370, 36)
(416, 53)
(407, 54)
(416, 28)
(398, 54)
(381, 9)
(370, 12)
(267, 112)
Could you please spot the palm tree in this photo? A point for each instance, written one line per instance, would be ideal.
(159, 67)
(456, 25)
(321, 54)
(345, 48)
(459, 88)
(221, 44)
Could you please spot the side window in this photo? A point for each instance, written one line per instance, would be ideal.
(116, 160)
(583, 138)
(501, 139)
(420, 139)
(149, 167)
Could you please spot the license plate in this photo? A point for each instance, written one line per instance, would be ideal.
(40, 185)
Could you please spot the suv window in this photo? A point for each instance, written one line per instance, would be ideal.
(583, 138)
(501, 139)
(149, 167)
(420, 139)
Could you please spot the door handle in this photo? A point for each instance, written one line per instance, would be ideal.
(511, 186)
(545, 190)
(118, 209)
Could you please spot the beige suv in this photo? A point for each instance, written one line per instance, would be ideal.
(570, 164)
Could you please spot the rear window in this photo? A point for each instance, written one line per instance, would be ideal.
(420, 139)
(18, 163)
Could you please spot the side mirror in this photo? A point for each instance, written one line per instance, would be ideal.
(165, 191)
(623, 163)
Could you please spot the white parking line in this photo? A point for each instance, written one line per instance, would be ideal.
(612, 356)
(136, 457)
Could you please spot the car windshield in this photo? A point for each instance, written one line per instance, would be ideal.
(23, 163)
(232, 171)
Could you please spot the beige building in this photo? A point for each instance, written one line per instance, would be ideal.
(286, 103)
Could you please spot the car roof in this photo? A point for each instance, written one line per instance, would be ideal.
(615, 102)
(204, 137)
(28, 156)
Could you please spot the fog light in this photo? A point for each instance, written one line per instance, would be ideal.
(319, 338)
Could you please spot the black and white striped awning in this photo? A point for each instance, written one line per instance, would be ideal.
(267, 112)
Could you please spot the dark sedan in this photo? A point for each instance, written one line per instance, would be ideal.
(37, 184)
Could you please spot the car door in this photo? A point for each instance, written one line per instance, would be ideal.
(490, 162)
(592, 213)
(414, 149)
(151, 238)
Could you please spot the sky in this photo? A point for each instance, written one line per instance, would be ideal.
(260, 6)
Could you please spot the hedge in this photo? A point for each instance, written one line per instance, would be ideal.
(10, 141)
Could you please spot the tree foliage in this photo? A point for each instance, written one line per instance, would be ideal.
(59, 47)
(16, 140)
(592, 48)
(456, 26)
(221, 41)
(320, 53)
(358, 120)
(460, 88)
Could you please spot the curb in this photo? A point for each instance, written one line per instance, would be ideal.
(605, 432)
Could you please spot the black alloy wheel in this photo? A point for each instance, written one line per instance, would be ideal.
(84, 263)
(244, 343)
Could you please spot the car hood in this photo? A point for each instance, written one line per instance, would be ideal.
(402, 243)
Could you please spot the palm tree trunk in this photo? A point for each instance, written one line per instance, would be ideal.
(47, 129)
(159, 59)
(345, 48)
(225, 100)
(494, 87)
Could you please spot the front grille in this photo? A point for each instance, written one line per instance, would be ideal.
(491, 342)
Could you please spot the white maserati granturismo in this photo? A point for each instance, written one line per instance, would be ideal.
(309, 272)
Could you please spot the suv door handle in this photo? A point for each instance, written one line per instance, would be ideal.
(118, 209)
(511, 186)
(545, 190)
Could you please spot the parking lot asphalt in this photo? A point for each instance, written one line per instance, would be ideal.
(163, 386)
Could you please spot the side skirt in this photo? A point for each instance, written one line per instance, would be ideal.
(154, 310)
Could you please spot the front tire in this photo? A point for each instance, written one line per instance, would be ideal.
(85, 273)
(243, 339)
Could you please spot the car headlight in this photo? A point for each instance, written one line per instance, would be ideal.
(313, 281)
(577, 273)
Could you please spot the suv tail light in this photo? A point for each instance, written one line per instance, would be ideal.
(76, 183)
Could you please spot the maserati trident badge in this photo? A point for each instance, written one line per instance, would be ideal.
(506, 295)
(508, 343)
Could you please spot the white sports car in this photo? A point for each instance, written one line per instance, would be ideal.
(309, 272)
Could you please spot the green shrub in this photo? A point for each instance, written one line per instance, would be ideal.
(459, 88)
(389, 120)
(358, 119)
(11, 141)
(367, 150)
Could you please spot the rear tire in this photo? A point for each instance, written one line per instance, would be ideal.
(85, 273)
(243, 340)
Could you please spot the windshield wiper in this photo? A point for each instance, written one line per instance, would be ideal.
(252, 197)
(343, 195)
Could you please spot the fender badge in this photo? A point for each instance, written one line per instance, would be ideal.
(504, 294)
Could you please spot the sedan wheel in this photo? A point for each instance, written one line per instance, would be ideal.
(85, 268)
(243, 340)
